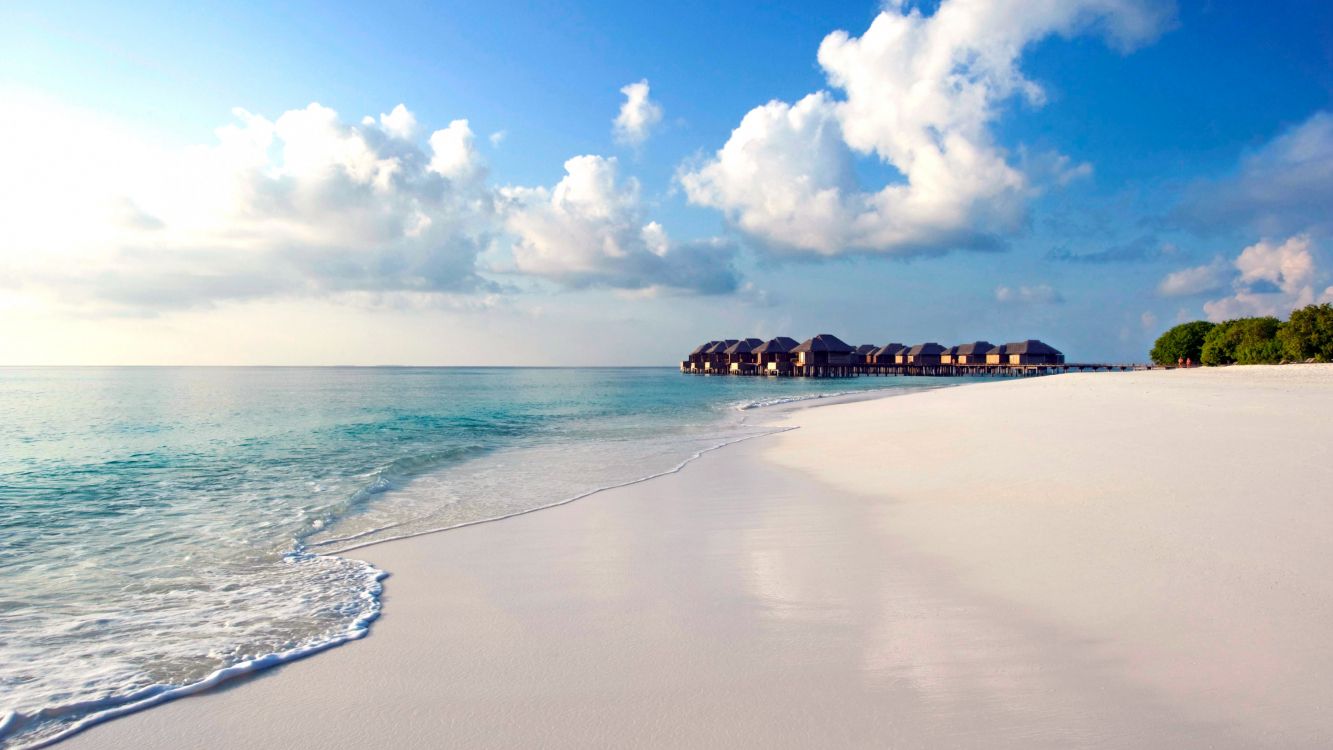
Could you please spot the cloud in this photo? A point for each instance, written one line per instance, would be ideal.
(498, 137)
(589, 230)
(302, 204)
(400, 123)
(921, 94)
(454, 154)
(1040, 294)
(308, 204)
(638, 115)
(1284, 187)
(1209, 277)
(1142, 249)
(1266, 278)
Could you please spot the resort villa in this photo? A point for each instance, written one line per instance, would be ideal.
(741, 358)
(775, 355)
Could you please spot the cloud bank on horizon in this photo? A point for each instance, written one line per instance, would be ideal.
(901, 154)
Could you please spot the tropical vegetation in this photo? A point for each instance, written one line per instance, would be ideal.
(1306, 336)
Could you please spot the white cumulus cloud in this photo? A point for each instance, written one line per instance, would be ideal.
(308, 204)
(304, 203)
(921, 95)
(639, 114)
(590, 230)
(1209, 277)
(1270, 279)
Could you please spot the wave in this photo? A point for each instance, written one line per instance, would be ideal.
(95, 712)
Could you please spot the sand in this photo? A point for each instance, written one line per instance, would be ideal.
(1109, 560)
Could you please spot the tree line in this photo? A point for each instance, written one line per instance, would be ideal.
(1306, 336)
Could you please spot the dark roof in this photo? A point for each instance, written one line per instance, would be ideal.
(825, 342)
(1001, 349)
(930, 347)
(744, 346)
(700, 349)
(888, 350)
(973, 347)
(719, 347)
(864, 349)
(1030, 346)
(776, 345)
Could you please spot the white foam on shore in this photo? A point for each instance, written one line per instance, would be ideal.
(116, 706)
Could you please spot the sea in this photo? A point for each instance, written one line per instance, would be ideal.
(165, 529)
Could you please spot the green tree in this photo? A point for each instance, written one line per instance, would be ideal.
(1184, 341)
(1267, 352)
(1309, 334)
(1255, 337)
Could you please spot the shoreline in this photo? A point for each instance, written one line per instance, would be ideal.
(231, 676)
(996, 616)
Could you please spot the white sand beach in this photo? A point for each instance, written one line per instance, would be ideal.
(1100, 560)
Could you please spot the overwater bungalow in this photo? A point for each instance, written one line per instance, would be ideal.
(884, 355)
(715, 357)
(824, 354)
(928, 353)
(741, 358)
(775, 355)
(1033, 352)
(971, 353)
(695, 362)
(998, 355)
(862, 353)
(947, 356)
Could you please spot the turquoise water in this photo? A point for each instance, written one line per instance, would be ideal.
(164, 528)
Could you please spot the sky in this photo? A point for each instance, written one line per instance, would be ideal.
(612, 183)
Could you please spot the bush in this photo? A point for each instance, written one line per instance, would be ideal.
(1309, 334)
(1267, 352)
(1184, 341)
(1255, 337)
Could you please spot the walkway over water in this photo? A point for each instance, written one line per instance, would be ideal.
(858, 369)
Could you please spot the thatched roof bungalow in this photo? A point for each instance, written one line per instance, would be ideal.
(741, 356)
(971, 353)
(1033, 352)
(862, 353)
(928, 353)
(775, 354)
(884, 355)
(715, 356)
(696, 358)
(998, 355)
(824, 349)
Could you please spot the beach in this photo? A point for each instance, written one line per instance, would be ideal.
(1085, 560)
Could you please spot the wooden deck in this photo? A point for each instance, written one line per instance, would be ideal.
(943, 371)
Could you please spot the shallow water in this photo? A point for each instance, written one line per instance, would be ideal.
(158, 525)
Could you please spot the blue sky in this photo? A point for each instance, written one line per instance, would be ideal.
(1127, 165)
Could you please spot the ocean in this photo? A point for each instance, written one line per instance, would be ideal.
(164, 529)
